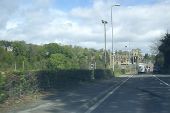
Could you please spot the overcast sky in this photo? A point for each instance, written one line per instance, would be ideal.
(137, 23)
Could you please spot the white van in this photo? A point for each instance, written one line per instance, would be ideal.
(141, 68)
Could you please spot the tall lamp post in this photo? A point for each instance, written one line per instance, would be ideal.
(104, 23)
(128, 55)
(116, 5)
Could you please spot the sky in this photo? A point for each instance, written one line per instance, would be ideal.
(136, 23)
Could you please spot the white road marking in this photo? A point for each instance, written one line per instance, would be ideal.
(163, 87)
(105, 97)
(35, 108)
(161, 80)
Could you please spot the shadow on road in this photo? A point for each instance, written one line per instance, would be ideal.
(138, 95)
(77, 98)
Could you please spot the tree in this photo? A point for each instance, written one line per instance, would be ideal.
(6, 59)
(52, 55)
(59, 61)
(164, 48)
(52, 48)
(19, 48)
(5, 44)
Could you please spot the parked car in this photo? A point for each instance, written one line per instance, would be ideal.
(156, 69)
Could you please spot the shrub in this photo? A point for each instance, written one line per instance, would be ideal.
(17, 84)
(103, 74)
(3, 95)
(54, 78)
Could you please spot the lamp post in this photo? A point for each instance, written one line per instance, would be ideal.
(128, 51)
(104, 23)
(116, 5)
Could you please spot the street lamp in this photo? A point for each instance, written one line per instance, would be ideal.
(116, 5)
(104, 23)
(128, 51)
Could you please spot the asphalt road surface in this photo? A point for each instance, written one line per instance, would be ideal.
(127, 94)
(139, 94)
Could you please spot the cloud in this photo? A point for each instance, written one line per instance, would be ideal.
(6, 10)
(40, 22)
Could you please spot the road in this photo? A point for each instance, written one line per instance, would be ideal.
(75, 99)
(140, 94)
(127, 94)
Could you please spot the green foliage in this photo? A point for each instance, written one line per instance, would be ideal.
(118, 71)
(103, 74)
(164, 49)
(58, 79)
(6, 59)
(17, 84)
(2, 79)
(59, 61)
(53, 56)
(3, 95)
(64, 64)
(147, 58)
(19, 48)
(159, 60)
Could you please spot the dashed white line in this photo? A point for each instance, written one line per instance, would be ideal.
(161, 80)
(105, 97)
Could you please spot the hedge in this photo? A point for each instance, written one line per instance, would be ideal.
(17, 84)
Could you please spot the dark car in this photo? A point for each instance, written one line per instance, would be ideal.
(156, 69)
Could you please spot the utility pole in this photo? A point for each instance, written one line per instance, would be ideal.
(104, 23)
(116, 5)
(15, 66)
(132, 56)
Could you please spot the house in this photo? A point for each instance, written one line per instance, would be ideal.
(126, 57)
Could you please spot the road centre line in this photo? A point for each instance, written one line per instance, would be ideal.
(105, 97)
(161, 80)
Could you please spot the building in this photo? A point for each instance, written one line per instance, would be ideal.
(136, 56)
(126, 57)
(122, 58)
(8, 49)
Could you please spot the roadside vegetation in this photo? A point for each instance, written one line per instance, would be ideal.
(20, 56)
(162, 59)
(19, 84)
(26, 69)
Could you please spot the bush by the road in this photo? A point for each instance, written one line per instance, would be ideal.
(102, 74)
(17, 84)
(54, 79)
(2, 92)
